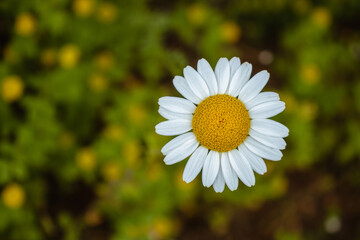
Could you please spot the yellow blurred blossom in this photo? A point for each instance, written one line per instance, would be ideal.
(12, 88)
(69, 56)
(66, 140)
(321, 16)
(92, 217)
(230, 32)
(196, 13)
(132, 151)
(86, 159)
(83, 8)
(10, 55)
(308, 110)
(13, 196)
(48, 57)
(114, 132)
(107, 12)
(310, 74)
(137, 113)
(98, 83)
(25, 24)
(111, 171)
(163, 228)
(104, 60)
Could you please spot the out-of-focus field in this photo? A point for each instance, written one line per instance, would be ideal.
(79, 84)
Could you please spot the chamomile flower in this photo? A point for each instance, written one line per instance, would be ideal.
(222, 123)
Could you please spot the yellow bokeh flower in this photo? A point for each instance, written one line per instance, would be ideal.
(114, 132)
(137, 113)
(25, 24)
(13, 196)
(230, 32)
(12, 88)
(107, 12)
(163, 228)
(104, 60)
(196, 13)
(48, 57)
(83, 8)
(98, 83)
(111, 171)
(131, 152)
(86, 159)
(310, 74)
(69, 56)
(321, 16)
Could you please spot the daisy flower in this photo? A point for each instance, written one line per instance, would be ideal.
(222, 123)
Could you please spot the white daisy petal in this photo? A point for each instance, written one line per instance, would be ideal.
(241, 76)
(273, 142)
(179, 154)
(222, 72)
(262, 98)
(256, 162)
(261, 150)
(211, 168)
(184, 89)
(176, 104)
(269, 127)
(229, 175)
(173, 127)
(219, 183)
(195, 164)
(242, 167)
(208, 75)
(254, 86)
(178, 142)
(234, 65)
(266, 110)
(196, 82)
(173, 115)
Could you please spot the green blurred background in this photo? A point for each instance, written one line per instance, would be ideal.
(79, 84)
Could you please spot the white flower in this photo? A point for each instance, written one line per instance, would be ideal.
(222, 123)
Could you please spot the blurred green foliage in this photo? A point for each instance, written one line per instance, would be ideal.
(80, 80)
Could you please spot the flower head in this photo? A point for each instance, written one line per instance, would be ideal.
(222, 123)
(12, 88)
(13, 196)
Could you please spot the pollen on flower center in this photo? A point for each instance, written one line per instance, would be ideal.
(221, 123)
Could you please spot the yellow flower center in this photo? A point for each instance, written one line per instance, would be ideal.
(221, 123)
